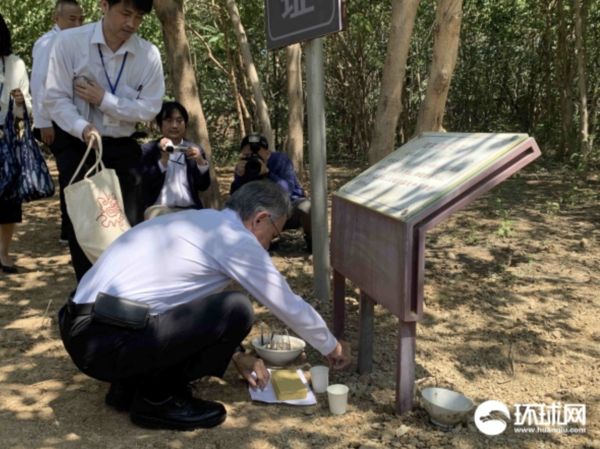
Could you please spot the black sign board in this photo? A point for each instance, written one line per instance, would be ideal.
(291, 21)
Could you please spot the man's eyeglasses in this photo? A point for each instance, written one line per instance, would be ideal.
(277, 233)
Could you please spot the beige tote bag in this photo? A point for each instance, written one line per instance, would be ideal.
(95, 205)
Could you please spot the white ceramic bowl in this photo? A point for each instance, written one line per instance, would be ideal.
(276, 356)
(445, 407)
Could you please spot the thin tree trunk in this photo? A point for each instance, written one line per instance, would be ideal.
(295, 140)
(185, 89)
(584, 137)
(262, 109)
(445, 50)
(230, 73)
(564, 79)
(390, 99)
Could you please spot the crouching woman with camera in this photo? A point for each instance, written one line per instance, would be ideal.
(174, 170)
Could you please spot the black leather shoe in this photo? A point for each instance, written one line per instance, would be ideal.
(9, 269)
(120, 396)
(176, 412)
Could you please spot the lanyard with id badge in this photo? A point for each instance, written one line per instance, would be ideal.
(107, 120)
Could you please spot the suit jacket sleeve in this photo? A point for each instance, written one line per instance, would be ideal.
(152, 176)
(198, 182)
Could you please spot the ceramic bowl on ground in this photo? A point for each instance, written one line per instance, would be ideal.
(279, 357)
(445, 407)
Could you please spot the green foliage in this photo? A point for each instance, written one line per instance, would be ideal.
(515, 70)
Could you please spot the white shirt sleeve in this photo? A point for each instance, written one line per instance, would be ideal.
(59, 88)
(21, 80)
(253, 269)
(39, 69)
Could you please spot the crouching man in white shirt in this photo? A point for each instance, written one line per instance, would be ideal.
(150, 316)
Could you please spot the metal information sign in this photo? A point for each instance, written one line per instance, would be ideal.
(425, 169)
(291, 21)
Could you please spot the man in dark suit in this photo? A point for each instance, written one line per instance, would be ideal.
(174, 170)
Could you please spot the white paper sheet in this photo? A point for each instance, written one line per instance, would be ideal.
(268, 394)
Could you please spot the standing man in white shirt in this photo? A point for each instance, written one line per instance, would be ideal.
(103, 77)
(67, 14)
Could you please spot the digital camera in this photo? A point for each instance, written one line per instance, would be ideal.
(176, 148)
(253, 165)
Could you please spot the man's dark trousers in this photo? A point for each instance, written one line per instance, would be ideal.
(185, 343)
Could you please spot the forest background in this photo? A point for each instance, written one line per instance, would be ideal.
(512, 281)
(521, 66)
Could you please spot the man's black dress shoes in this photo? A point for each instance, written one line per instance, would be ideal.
(120, 396)
(179, 412)
(9, 269)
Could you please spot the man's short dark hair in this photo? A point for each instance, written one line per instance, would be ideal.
(255, 140)
(144, 6)
(5, 42)
(66, 2)
(167, 109)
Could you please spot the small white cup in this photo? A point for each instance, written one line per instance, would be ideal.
(319, 377)
(338, 398)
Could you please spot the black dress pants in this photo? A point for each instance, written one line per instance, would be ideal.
(185, 343)
(121, 154)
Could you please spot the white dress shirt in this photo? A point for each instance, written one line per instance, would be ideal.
(39, 70)
(13, 75)
(175, 191)
(175, 258)
(138, 94)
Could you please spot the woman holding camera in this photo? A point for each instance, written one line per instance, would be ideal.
(174, 170)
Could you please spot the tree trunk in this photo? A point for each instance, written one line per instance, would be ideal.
(564, 79)
(185, 89)
(390, 99)
(262, 109)
(445, 50)
(295, 140)
(584, 137)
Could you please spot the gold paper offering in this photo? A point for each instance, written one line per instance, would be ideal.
(288, 385)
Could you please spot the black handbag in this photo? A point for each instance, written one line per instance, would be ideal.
(34, 180)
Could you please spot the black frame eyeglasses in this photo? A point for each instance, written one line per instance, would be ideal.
(277, 232)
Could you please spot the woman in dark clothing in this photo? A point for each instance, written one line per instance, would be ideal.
(13, 83)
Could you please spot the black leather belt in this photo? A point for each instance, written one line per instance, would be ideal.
(79, 309)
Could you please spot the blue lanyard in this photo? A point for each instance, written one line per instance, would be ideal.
(113, 88)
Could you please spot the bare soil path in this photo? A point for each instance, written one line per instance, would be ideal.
(512, 313)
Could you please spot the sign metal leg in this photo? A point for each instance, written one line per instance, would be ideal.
(365, 336)
(405, 366)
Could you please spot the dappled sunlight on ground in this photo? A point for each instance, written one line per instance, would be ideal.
(511, 308)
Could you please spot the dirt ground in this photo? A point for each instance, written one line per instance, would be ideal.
(511, 313)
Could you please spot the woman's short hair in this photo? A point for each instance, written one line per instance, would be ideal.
(167, 109)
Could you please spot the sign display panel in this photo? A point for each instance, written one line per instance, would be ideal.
(425, 169)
